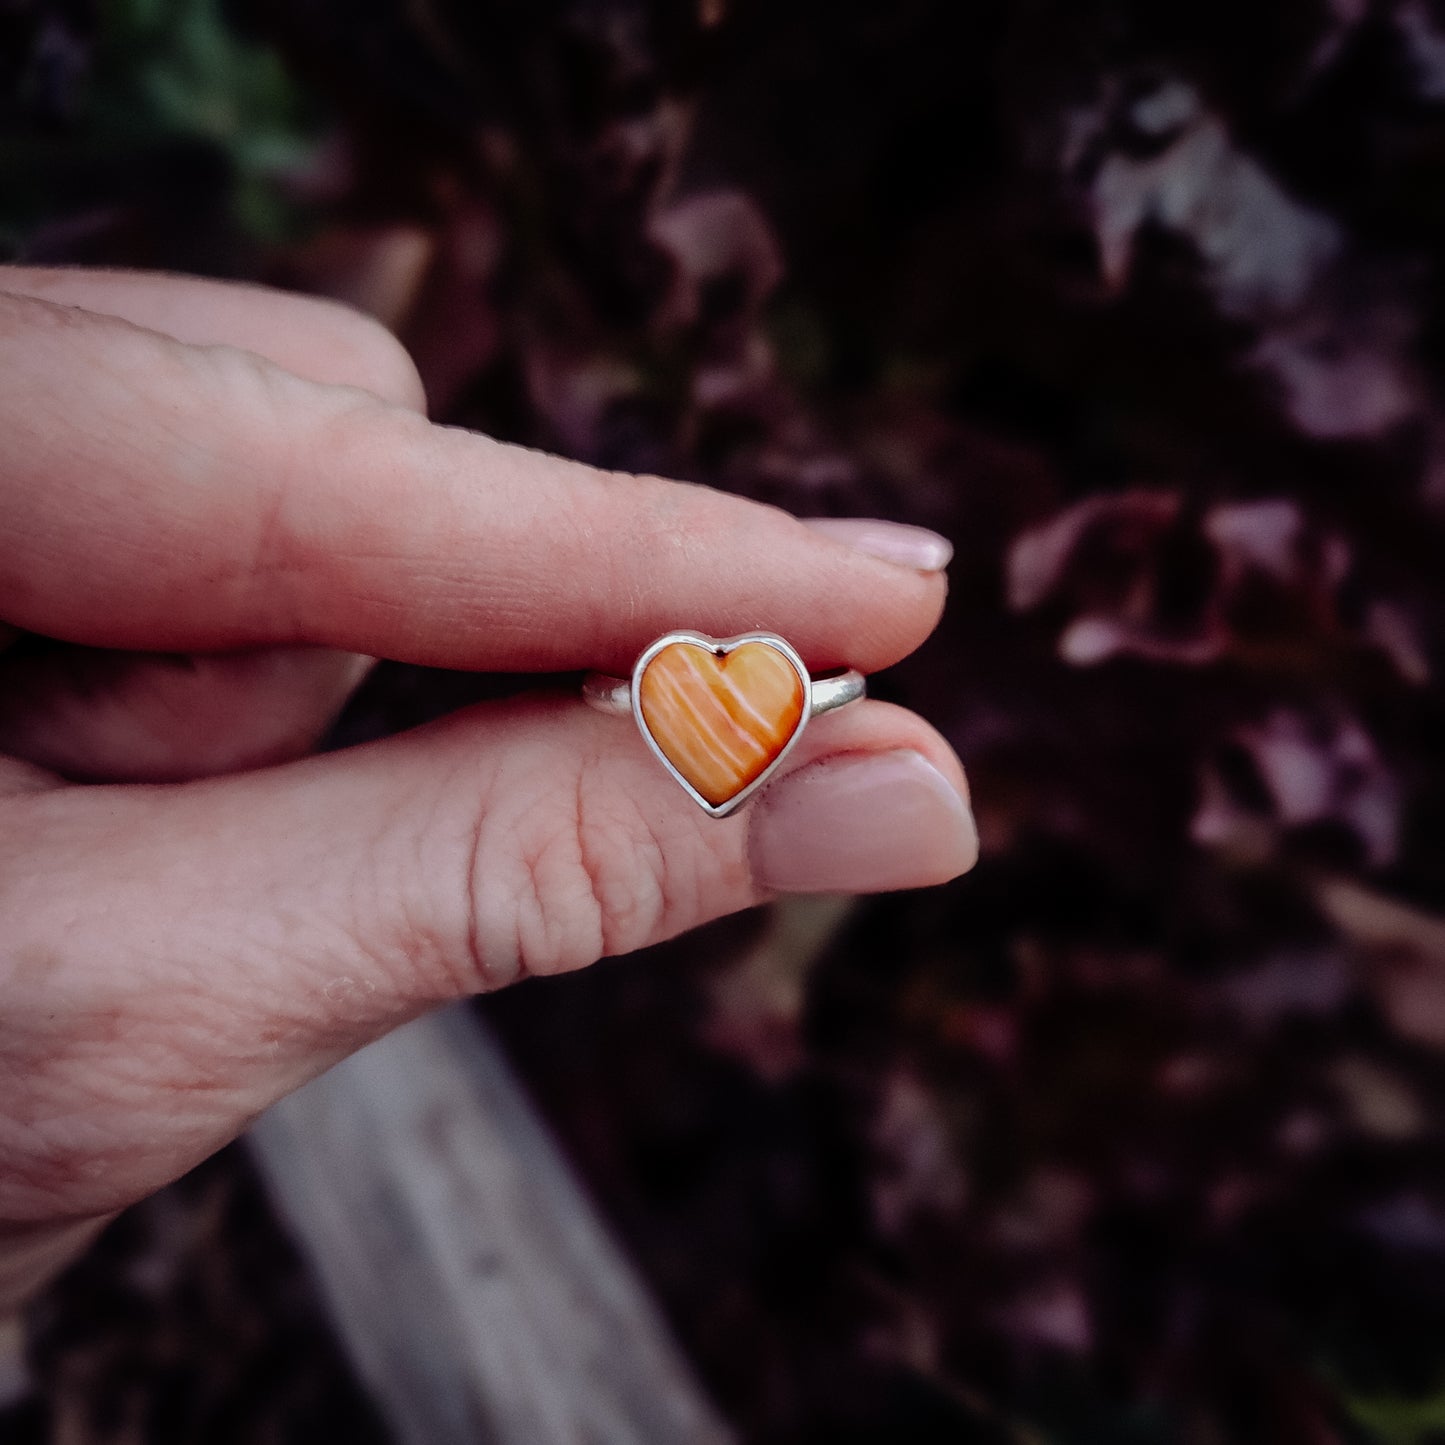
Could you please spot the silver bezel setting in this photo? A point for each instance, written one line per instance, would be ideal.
(720, 647)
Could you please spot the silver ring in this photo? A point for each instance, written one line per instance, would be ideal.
(721, 714)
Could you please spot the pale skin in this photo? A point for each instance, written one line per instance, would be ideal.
(196, 917)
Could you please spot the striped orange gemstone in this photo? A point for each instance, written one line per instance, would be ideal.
(721, 720)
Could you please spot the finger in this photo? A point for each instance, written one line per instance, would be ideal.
(114, 716)
(318, 339)
(175, 959)
(97, 715)
(167, 497)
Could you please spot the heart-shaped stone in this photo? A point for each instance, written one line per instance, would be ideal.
(722, 714)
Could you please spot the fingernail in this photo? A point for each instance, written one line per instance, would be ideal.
(914, 547)
(861, 823)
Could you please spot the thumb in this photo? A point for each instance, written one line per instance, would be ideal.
(176, 958)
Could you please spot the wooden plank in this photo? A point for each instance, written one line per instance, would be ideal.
(14, 1372)
(480, 1297)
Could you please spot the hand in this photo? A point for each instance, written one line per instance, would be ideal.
(216, 502)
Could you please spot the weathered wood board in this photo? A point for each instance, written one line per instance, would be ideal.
(479, 1295)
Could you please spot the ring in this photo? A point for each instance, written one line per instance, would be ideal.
(721, 714)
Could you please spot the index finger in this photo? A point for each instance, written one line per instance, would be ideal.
(308, 335)
(162, 496)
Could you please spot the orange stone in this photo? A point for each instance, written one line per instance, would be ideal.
(721, 720)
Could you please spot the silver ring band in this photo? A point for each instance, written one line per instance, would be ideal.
(613, 695)
(721, 714)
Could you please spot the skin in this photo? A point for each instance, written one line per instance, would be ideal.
(217, 503)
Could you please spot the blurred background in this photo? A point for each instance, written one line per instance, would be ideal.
(1134, 1135)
